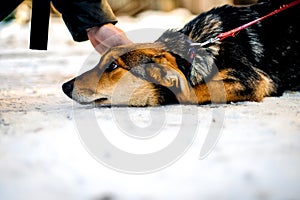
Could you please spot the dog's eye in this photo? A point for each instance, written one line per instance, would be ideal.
(112, 67)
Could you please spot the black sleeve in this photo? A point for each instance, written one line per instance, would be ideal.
(7, 7)
(79, 15)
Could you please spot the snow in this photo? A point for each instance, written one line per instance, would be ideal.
(42, 156)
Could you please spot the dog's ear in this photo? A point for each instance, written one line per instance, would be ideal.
(197, 67)
(164, 71)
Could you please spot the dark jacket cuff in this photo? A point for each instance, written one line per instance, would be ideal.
(80, 15)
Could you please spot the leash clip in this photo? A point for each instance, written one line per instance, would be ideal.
(203, 44)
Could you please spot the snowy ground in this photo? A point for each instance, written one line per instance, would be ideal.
(42, 157)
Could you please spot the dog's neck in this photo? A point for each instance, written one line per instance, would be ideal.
(196, 67)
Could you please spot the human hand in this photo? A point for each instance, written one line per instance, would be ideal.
(106, 36)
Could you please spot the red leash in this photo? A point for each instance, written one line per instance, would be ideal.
(233, 32)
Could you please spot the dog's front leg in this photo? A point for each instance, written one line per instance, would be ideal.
(230, 86)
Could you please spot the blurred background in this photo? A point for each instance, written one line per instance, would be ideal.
(135, 7)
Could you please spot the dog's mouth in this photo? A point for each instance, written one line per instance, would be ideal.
(101, 100)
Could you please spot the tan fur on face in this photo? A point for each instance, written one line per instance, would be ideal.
(121, 86)
(109, 89)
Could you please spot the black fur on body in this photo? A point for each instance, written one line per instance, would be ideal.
(270, 47)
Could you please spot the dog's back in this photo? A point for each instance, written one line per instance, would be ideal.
(272, 45)
(281, 38)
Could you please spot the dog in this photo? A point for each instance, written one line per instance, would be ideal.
(260, 61)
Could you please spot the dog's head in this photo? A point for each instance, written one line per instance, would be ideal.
(134, 75)
(146, 74)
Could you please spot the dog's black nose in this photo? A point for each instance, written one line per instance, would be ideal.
(68, 87)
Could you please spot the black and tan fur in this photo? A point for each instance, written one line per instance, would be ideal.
(262, 60)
